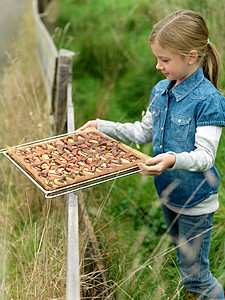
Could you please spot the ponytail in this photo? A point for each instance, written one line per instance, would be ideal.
(211, 64)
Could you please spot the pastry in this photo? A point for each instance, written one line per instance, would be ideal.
(74, 158)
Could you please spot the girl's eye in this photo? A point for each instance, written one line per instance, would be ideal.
(165, 60)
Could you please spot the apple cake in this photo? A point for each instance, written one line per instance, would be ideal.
(74, 158)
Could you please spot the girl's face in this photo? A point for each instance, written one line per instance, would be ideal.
(173, 66)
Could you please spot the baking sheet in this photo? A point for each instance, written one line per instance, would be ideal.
(76, 186)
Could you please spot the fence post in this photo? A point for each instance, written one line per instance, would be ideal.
(73, 263)
(63, 77)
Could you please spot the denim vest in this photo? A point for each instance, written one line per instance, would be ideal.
(177, 112)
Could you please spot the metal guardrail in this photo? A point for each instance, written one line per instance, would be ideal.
(73, 278)
(47, 54)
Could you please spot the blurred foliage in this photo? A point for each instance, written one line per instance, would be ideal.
(113, 74)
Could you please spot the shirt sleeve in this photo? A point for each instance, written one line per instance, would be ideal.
(138, 132)
(203, 157)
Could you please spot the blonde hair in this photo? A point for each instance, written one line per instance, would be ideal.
(183, 31)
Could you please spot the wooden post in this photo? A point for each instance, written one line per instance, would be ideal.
(96, 280)
(63, 78)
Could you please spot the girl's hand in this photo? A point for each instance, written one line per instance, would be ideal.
(92, 123)
(158, 164)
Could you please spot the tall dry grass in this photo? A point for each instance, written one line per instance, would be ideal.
(32, 229)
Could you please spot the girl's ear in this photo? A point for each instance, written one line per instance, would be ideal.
(193, 56)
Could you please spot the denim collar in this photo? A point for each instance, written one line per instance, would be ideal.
(188, 85)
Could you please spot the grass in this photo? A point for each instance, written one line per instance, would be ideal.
(113, 75)
(33, 229)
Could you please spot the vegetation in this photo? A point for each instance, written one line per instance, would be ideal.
(32, 230)
(113, 74)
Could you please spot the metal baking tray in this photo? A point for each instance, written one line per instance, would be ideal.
(73, 187)
(77, 186)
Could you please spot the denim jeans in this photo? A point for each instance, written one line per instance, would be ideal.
(191, 235)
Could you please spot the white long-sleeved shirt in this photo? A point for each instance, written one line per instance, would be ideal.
(201, 159)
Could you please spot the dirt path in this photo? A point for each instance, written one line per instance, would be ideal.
(11, 14)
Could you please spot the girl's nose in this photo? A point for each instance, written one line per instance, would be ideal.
(159, 66)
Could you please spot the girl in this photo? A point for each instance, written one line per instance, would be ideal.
(184, 119)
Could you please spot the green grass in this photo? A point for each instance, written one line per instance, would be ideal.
(113, 74)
